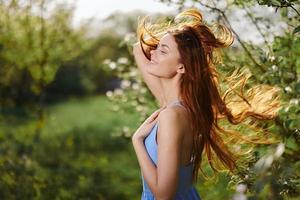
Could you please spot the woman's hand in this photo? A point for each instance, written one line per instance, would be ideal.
(143, 131)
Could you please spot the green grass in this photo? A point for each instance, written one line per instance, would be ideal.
(76, 156)
(92, 111)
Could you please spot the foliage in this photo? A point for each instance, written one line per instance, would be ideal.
(274, 171)
(34, 46)
(82, 149)
(76, 157)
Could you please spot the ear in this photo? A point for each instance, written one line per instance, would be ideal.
(181, 68)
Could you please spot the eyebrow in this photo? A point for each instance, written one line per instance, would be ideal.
(164, 45)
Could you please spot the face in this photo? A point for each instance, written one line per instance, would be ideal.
(165, 59)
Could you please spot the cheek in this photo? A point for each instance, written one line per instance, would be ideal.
(163, 68)
(169, 64)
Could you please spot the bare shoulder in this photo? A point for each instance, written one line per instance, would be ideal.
(175, 113)
(173, 118)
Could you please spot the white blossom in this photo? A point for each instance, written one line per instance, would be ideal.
(135, 86)
(118, 91)
(272, 58)
(288, 89)
(106, 61)
(112, 65)
(109, 93)
(294, 101)
(123, 60)
(125, 129)
(274, 68)
(287, 109)
(133, 73)
(241, 188)
(125, 84)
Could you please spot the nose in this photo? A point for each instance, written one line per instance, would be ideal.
(152, 51)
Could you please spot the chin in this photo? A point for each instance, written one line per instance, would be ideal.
(154, 71)
(153, 64)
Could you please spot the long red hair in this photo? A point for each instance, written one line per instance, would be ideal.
(198, 45)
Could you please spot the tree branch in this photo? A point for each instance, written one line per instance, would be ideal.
(257, 27)
(235, 33)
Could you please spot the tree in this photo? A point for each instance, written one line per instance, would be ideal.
(274, 171)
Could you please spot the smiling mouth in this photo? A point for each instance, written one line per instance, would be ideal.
(152, 62)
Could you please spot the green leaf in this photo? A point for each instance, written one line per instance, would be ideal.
(291, 144)
(275, 3)
(297, 29)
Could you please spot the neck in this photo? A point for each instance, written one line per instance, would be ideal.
(171, 90)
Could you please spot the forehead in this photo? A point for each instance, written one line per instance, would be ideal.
(169, 40)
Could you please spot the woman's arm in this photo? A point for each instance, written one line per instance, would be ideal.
(153, 83)
(163, 179)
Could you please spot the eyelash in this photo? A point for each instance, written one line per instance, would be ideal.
(162, 52)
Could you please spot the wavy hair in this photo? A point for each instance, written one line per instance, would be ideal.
(207, 103)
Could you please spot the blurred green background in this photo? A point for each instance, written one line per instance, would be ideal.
(71, 98)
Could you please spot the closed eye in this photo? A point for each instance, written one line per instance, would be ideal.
(162, 51)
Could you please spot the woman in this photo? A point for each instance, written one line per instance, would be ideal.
(177, 61)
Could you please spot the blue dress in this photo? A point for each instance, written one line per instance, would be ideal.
(185, 189)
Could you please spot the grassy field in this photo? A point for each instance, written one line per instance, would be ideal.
(76, 156)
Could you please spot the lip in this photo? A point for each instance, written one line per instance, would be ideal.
(153, 61)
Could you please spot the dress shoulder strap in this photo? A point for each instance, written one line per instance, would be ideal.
(176, 102)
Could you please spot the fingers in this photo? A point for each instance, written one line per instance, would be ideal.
(160, 109)
(155, 114)
(157, 111)
(152, 117)
(153, 120)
